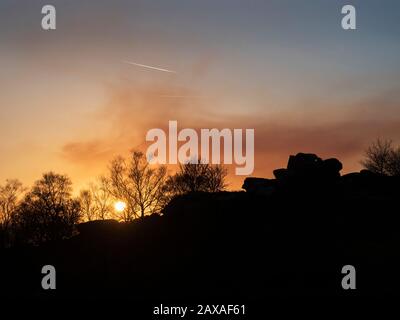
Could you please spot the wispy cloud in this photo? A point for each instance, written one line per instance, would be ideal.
(148, 67)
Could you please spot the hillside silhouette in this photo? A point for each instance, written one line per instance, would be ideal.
(288, 236)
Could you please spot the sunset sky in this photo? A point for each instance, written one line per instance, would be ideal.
(69, 103)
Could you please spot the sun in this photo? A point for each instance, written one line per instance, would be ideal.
(119, 206)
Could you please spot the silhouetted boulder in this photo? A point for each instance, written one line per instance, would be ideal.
(310, 167)
(369, 184)
(259, 186)
(331, 168)
(303, 162)
(367, 173)
(303, 170)
(349, 177)
(280, 174)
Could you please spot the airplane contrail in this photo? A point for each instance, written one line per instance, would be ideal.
(149, 67)
(182, 96)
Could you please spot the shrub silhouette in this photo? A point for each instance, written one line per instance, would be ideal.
(197, 177)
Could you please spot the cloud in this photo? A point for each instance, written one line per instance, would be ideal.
(341, 131)
(131, 110)
(87, 152)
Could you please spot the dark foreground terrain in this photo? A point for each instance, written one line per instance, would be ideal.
(284, 237)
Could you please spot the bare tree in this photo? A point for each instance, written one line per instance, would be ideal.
(394, 163)
(96, 201)
(120, 186)
(87, 205)
(10, 195)
(148, 183)
(383, 158)
(138, 184)
(194, 177)
(103, 200)
(378, 157)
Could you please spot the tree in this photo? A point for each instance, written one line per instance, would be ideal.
(382, 158)
(10, 195)
(96, 202)
(48, 211)
(394, 163)
(103, 200)
(194, 177)
(87, 205)
(138, 184)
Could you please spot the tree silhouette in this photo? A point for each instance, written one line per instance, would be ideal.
(194, 177)
(10, 194)
(394, 162)
(138, 184)
(383, 158)
(48, 211)
(87, 205)
(96, 202)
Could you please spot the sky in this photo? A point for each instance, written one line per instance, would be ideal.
(70, 104)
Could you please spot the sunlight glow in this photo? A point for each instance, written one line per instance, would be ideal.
(119, 206)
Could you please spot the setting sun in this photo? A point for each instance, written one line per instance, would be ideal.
(119, 206)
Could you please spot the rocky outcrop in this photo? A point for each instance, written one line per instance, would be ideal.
(260, 186)
(304, 169)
